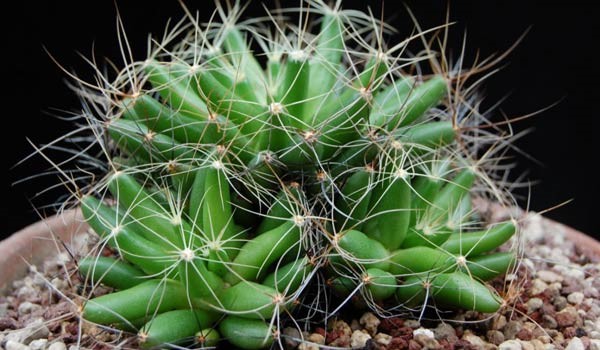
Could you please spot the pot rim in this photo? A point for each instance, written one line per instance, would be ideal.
(34, 243)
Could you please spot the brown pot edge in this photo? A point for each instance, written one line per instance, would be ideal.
(34, 243)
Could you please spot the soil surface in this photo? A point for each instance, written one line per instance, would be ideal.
(552, 302)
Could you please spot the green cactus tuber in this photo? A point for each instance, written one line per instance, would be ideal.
(240, 179)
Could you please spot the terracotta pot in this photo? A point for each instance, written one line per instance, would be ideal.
(33, 244)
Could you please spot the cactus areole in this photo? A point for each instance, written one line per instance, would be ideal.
(254, 164)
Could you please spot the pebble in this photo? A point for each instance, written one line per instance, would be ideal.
(414, 324)
(14, 345)
(537, 344)
(566, 317)
(445, 331)
(575, 344)
(560, 303)
(575, 298)
(526, 345)
(36, 329)
(594, 344)
(27, 307)
(549, 276)
(27, 292)
(499, 322)
(38, 344)
(359, 339)
(384, 339)
(577, 274)
(495, 337)
(291, 336)
(303, 346)
(511, 329)
(414, 345)
(549, 322)
(57, 346)
(427, 342)
(59, 283)
(3, 309)
(473, 339)
(370, 322)
(343, 331)
(534, 304)
(537, 287)
(316, 338)
(510, 345)
(424, 331)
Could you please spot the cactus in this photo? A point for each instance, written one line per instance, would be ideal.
(236, 185)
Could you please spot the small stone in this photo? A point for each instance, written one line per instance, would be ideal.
(382, 338)
(370, 322)
(549, 322)
(57, 346)
(36, 329)
(445, 331)
(27, 292)
(424, 331)
(27, 307)
(537, 287)
(575, 344)
(560, 303)
(427, 342)
(13, 345)
(537, 344)
(39, 344)
(414, 324)
(576, 274)
(414, 345)
(495, 337)
(594, 344)
(303, 346)
(566, 318)
(359, 339)
(511, 329)
(8, 323)
(341, 327)
(526, 345)
(59, 283)
(316, 338)
(575, 298)
(545, 339)
(291, 336)
(473, 339)
(534, 304)
(549, 276)
(499, 322)
(524, 334)
(3, 309)
(510, 345)
(549, 346)
(488, 346)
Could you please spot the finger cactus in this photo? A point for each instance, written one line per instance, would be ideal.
(248, 162)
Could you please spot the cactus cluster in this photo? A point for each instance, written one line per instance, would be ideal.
(254, 163)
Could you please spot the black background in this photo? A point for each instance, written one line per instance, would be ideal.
(556, 62)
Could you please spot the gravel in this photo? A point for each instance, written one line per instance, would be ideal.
(556, 305)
